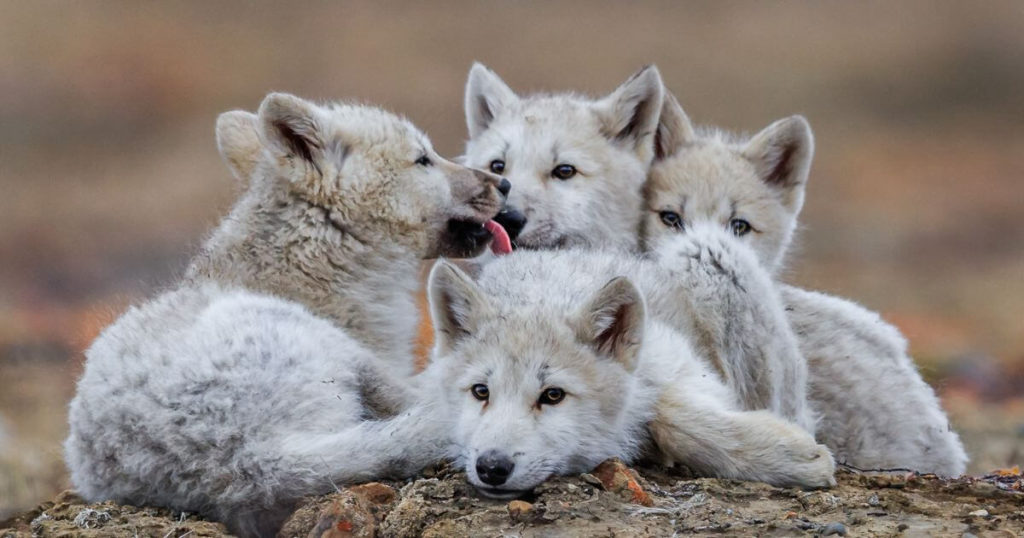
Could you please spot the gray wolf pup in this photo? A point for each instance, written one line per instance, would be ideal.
(876, 411)
(554, 361)
(275, 369)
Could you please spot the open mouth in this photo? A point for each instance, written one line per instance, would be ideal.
(466, 238)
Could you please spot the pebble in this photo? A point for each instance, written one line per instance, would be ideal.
(835, 528)
(518, 509)
(979, 513)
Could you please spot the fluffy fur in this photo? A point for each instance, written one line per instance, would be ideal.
(709, 177)
(607, 142)
(598, 208)
(267, 375)
(587, 323)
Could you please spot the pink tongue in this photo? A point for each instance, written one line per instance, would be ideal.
(500, 244)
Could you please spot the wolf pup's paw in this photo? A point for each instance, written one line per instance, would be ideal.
(813, 467)
(707, 254)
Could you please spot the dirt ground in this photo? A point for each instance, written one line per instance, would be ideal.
(613, 500)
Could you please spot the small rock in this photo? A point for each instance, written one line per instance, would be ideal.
(902, 527)
(617, 478)
(591, 479)
(518, 509)
(979, 513)
(836, 528)
(91, 519)
(375, 492)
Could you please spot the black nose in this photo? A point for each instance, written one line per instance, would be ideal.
(494, 467)
(504, 186)
(512, 220)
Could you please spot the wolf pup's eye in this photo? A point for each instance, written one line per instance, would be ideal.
(671, 219)
(497, 166)
(480, 392)
(551, 396)
(739, 227)
(564, 171)
(424, 161)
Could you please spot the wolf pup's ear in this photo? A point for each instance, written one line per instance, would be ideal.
(674, 128)
(456, 302)
(291, 127)
(782, 155)
(612, 322)
(630, 113)
(238, 140)
(486, 96)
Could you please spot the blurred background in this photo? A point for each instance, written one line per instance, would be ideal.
(109, 174)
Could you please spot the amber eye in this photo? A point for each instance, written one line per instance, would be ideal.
(739, 227)
(564, 171)
(497, 166)
(480, 392)
(671, 219)
(551, 396)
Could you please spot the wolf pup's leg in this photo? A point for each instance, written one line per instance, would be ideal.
(712, 439)
(728, 304)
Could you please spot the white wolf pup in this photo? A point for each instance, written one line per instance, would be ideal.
(264, 376)
(552, 364)
(578, 164)
(876, 411)
(578, 167)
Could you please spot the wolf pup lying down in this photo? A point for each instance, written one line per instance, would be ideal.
(264, 376)
(755, 188)
(551, 363)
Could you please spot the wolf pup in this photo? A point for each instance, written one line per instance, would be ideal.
(578, 166)
(551, 363)
(755, 188)
(265, 376)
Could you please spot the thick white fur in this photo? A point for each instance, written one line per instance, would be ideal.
(854, 357)
(267, 374)
(588, 322)
(608, 140)
(709, 175)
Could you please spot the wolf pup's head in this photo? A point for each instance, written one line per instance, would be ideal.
(753, 187)
(357, 173)
(577, 165)
(535, 392)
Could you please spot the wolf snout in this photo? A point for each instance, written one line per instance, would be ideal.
(494, 468)
(504, 187)
(512, 220)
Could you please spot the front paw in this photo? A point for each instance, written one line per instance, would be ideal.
(705, 253)
(813, 467)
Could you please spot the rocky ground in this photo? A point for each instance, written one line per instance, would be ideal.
(613, 500)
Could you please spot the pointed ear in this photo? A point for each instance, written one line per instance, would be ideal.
(290, 126)
(456, 302)
(674, 128)
(630, 113)
(782, 155)
(238, 140)
(612, 322)
(486, 96)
